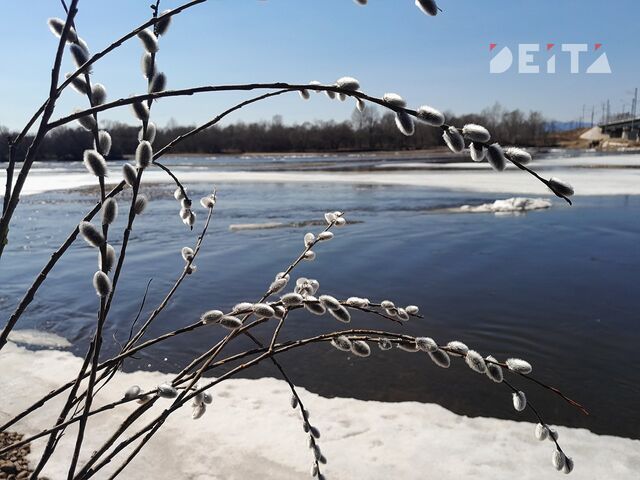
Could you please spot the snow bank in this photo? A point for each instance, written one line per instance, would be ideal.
(509, 205)
(250, 432)
(597, 175)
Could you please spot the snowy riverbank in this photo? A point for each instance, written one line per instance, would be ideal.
(250, 432)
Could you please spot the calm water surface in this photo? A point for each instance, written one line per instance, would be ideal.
(557, 287)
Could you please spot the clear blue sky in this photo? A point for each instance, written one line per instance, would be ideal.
(388, 45)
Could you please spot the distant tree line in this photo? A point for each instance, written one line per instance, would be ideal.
(367, 130)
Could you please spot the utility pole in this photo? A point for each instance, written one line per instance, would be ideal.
(608, 110)
(593, 112)
(634, 104)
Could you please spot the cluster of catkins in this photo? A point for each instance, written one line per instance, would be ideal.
(314, 436)
(479, 147)
(428, 7)
(94, 159)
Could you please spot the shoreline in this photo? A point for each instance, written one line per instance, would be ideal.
(250, 431)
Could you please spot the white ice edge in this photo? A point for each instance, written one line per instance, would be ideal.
(250, 432)
(586, 174)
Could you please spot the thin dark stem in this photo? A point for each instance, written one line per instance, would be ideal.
(14, 198)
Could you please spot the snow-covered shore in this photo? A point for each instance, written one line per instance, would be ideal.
(595, 175)
(250, 432)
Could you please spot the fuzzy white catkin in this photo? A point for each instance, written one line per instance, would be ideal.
(162, 26)
(244, 307)
(292, 299)
(207, 398)
(277, 285)
(360, 105)
(348, 83)
(56, 25)
(342, 97)
(408, 347)
(149, 40)
(330, 217)
(405, 123)
(385, 344)
(109, 260)
(309, 238)
(167, 391)
(427, 6)
(341, 343)
(519, 366)
(101, 283)
(95, 163)
(330, 302)
(211, 316)
(141, 204)
(475, 361)
(561, 186)
(104, 143)
(185, 203)
(230, 322)
(426, 344)
(198, 411)
(330, 94)
(312, 304)
(411, 309)
(280, 311)
(477, 152)
(293, 402)
(541, 432)
(457, 347)
(387, 304)
(568, 465)
(495, 156)
(129, 174)
(519, 401)
(358, 302)
(440, 358)
(191, 269)
(360, 348)
(98, 94)
(207, 202)
(310, 255)
(518, 154)
(187, 253)
(132, 392)
(78, 84)
(454, 139)
(80, 56)
(476, 133)
(91, 234)
(341, 222)
(558, 459)
(402, 314)
(304, 94)
(184, 214)
(144, 154)
(263, 310)
(109, 211)
(147, 65)
(494, 372)
(341, 314)
(158, 83)
(148, 135)
(190, 219)
(140, 110)
(178, 194)
(394, 99)
(430, 116)
(324, 236)
(88, 122)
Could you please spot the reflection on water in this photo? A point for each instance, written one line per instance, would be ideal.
(557, 287)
